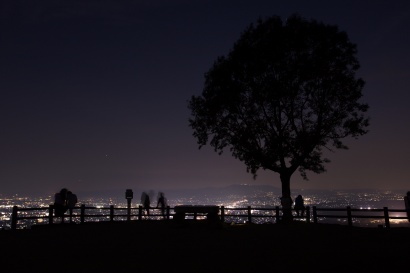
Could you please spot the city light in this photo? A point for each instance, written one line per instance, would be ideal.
(261, 203)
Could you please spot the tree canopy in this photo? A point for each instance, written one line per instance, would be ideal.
(286, 91)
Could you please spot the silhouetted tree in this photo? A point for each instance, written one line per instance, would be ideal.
(285, 91)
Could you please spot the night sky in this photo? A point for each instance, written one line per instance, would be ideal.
(94, 93)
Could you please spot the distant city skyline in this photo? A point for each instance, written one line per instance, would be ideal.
(94, 94)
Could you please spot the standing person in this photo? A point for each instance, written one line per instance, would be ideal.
(60, 203)
(161, 203)
(71, 202)
(146, 203)
(299, 205)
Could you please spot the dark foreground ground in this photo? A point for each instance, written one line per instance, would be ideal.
(160, 246)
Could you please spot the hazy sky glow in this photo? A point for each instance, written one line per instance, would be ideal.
(94, 93)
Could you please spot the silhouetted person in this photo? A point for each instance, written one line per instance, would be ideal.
(161, 203)
(299, 205)
(60, 203)
(407, 204)
(71, 202)
(146, 203)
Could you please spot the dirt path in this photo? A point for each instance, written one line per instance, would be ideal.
(159, 246)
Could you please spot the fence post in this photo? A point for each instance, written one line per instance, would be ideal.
(82, 214)
(112, 213)
(277, 214)
(168, 212)
(349, 216)
(222, 214)
(386, 217)
(50, 214)
(14, 218)
(139, 212)
(249, 215)
(308, 214)
(128, 209)
(70, 212)
(314, 215)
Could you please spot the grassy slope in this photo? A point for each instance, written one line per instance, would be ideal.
(159, 246)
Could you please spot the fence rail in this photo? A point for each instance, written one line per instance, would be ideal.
(87, 213)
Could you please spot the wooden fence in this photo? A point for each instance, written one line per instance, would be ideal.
(351, 213)
(248, 214)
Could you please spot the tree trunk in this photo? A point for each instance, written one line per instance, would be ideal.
(286, 199)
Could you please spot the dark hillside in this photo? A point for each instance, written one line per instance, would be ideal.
(159, 246)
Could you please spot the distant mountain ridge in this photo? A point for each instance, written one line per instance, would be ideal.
(234, 189)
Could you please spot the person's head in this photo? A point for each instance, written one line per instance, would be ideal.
(300, 196)
(63, 192)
